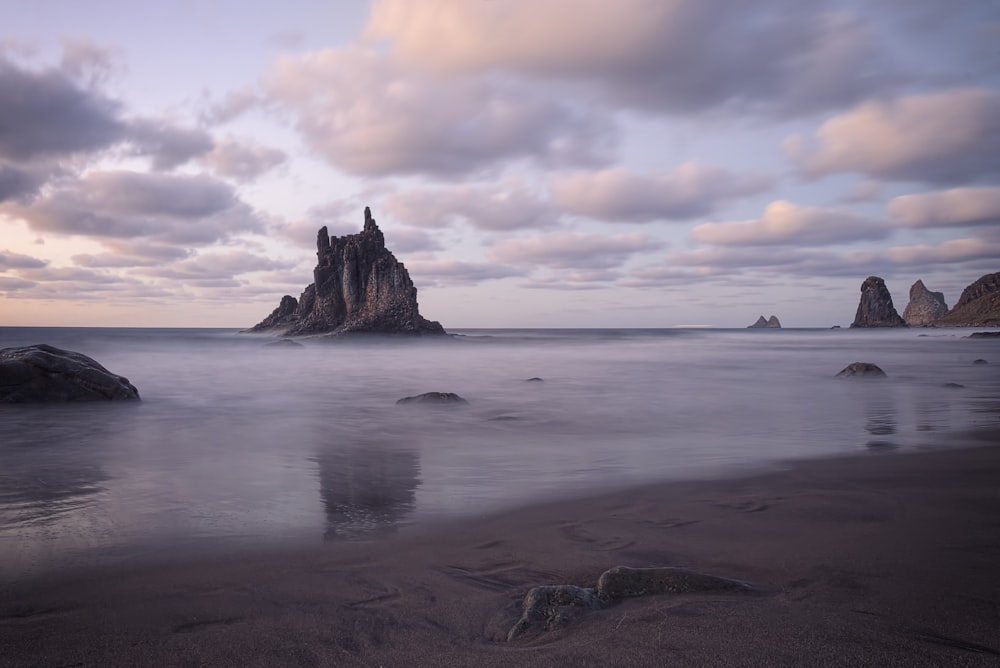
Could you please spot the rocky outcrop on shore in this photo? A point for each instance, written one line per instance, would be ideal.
(771, 323)
(924, 306)
(979, 305)
(42, 372)
(359, 287)
(875, 308)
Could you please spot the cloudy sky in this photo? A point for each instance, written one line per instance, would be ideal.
(548, 163)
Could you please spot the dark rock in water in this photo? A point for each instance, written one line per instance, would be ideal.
(770, 323)
(862, 369)
(434, 398)
(924, 306)
(549, 607)
(984, 335)
(358, 287)
(835, 327)
(979, 305)
(536, 379)
(284, 343)
(980, 361)
(875, 308)
(504, 418)
(953, 385)
(46, 373)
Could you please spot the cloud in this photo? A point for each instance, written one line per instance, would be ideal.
(958, 207)
(17, 183)
(456, 272)
(243, 161)
(11, 284)
(504, 206)
(949, 136)
(617, 195)
(660, 55)
(168, 145)
(11, 260)
(214, 266)
(785, 223)
(163, 208)
(370, 114)
(947, 252)
(572, 250)
(46, 113)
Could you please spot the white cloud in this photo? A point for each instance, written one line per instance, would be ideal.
(947, 136)
(371, 114)
(957, 207)
(506, 205)
(242, 160)
(572, 250)
(785, 223)
(618, 195)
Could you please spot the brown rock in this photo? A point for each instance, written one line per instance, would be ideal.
(875, 308)
(979, 305)
(924, 306)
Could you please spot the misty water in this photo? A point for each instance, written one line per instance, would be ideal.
(238, 444)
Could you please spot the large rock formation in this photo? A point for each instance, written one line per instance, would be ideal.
(358, 287)
(924, 307)
(45, 373)
(979, 305)
(875, 308)
(771, 323)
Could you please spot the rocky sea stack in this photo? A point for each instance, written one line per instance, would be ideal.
(979, 305)
(770, 323)
(875, 308)
(358, 287)
(924, 307)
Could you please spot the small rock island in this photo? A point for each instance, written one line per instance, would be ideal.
(770, 323)
(924, 306)
(359, 287)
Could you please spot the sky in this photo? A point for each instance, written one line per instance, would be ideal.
(534, 163)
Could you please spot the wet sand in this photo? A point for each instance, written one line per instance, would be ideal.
(879, 559)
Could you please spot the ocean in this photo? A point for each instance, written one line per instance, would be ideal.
(237, 444)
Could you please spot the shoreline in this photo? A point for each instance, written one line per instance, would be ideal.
(867, 559)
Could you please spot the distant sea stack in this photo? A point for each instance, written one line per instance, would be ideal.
(772, 323)
(875, 308)
(924, 307)
(979, 305)
(358, 287)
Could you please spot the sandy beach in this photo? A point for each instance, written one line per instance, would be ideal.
(877, 559)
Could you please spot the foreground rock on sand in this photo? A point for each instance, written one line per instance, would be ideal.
(862, 369)
(979, 305)
(359, 287)
(45, 373)
(875, 308)
(924, 306)
(546, 607)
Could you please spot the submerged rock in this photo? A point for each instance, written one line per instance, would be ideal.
(433, 398)
(45, 373)
(875, 308)
(862, 369)
(979, 305)
(358, 287)
(984, 335)
(980, 361)
(924, 306)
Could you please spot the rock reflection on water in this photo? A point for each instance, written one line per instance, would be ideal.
(367, 490)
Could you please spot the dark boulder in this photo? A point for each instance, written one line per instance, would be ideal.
(45, 373)
(980, 361)
(435, 398)
(875, 308)
(864, 369)
(984, 335)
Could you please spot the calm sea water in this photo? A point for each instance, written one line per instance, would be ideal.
(237, 443)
